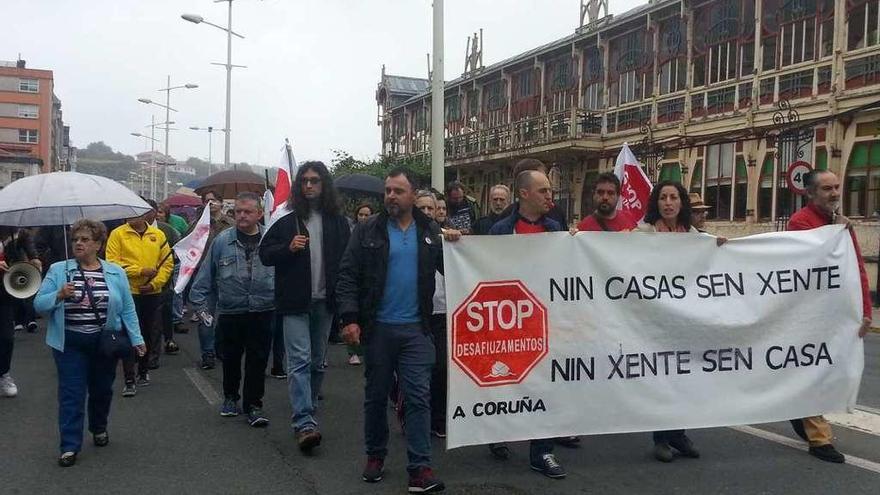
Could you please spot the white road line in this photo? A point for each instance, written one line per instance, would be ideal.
(795, 444)
(203, 386)
(861, 419)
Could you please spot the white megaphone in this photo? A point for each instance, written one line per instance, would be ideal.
(22, 280)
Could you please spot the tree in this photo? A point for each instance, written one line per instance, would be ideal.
(345, 164)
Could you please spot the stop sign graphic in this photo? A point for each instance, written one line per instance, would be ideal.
(499, 333)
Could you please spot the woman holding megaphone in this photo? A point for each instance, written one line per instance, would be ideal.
(92, 321)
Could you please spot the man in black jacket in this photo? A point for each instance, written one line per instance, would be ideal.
(305, 247)
(385, 291)
(499, 200)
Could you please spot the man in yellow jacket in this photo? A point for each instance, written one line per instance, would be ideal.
(143, 252)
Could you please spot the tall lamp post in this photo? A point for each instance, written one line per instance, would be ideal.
(153, 142)
(167, 107)
(209, 129)
(438, 131)
(197, 19)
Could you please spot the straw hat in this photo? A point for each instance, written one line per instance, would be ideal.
(697, 202)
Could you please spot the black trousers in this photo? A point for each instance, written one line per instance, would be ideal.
(146, 306)
(248, 334)
(667, 436)
(165, 315)
(7, 332)
(278, 361)
(438, 374)
(24, 311)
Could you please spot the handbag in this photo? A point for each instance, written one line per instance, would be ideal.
(114, 345)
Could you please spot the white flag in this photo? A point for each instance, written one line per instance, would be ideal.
(190, 249)
(635, 186)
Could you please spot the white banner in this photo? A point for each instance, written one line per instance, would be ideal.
(552, 335)
(190, 249)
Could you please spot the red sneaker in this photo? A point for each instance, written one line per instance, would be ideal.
(374, 470)
(422, 480)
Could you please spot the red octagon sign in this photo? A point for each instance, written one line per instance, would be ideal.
(499, 333)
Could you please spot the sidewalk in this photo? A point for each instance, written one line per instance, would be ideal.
(875, 320)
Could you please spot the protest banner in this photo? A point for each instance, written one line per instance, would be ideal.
(553, 335)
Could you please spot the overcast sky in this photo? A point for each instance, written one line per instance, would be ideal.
(313, 65)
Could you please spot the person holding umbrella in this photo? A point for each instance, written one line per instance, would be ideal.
(143, 251)
(82, 298)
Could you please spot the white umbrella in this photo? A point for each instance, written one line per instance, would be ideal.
(62, 198)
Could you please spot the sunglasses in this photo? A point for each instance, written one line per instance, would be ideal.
(312, 180)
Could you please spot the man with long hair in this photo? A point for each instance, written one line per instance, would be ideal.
(305, 247)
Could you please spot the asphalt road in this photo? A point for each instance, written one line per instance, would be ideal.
(169, 439)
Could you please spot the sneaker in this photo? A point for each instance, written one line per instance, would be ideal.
(354, 360)
(308, 439)
(7, 386)
(171, 347)
(19, 327)
(101, 439)
(129, 390)
(499, 451)
(208, 361)
(568, 442)
(827, 453)
(229, 408)
(374, 470)
(256, 418)
(143, 380)
(67, 459)
(278, 373)
(422, 480)
(663, 452)
(32, 326)
(549, 467)
(685, 447)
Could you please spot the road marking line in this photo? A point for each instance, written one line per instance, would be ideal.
(203, 386)
(861, 419)
(799, 445)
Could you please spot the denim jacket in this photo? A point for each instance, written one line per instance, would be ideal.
(226, 276)
(120, 307)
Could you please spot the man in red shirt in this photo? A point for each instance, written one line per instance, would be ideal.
(823, 192)
(606, 193)
(530, 216)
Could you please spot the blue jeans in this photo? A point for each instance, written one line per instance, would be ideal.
(409, 351)
(305, 342)
(206, 333)
(82, 371)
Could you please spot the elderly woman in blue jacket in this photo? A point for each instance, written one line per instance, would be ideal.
(80, 297)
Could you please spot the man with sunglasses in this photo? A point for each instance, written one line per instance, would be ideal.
(305, 246)
(143, 252)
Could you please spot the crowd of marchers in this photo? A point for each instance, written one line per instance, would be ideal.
(282, 290)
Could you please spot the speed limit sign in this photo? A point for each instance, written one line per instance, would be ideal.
(796, 177)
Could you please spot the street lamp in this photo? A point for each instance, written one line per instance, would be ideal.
(210, 130)
(197, 19)
(167, 107)
(153, 142)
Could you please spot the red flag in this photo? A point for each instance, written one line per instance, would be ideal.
(635, 186)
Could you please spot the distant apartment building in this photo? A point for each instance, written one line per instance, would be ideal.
(33, 137)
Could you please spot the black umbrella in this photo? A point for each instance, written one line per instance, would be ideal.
(360, 184)
(229, 183)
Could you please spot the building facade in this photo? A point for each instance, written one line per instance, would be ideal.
(31, 126)
(721, 95)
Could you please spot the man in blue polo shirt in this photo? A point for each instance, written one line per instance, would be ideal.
(384, 293)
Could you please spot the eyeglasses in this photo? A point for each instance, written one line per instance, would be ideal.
(81, 239)
(312, 180)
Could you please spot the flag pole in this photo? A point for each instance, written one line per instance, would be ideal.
(290, 164)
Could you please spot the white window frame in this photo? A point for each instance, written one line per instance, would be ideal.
(30, 136)
(593, 96)
(24, 113)
(626, 88)
(25, 85)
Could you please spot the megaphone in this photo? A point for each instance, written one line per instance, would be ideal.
(22, 280)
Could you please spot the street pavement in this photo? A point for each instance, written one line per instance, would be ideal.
(171, 439)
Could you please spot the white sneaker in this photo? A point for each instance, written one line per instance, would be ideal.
(7, 386)
(19, 327)
(354, 360)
